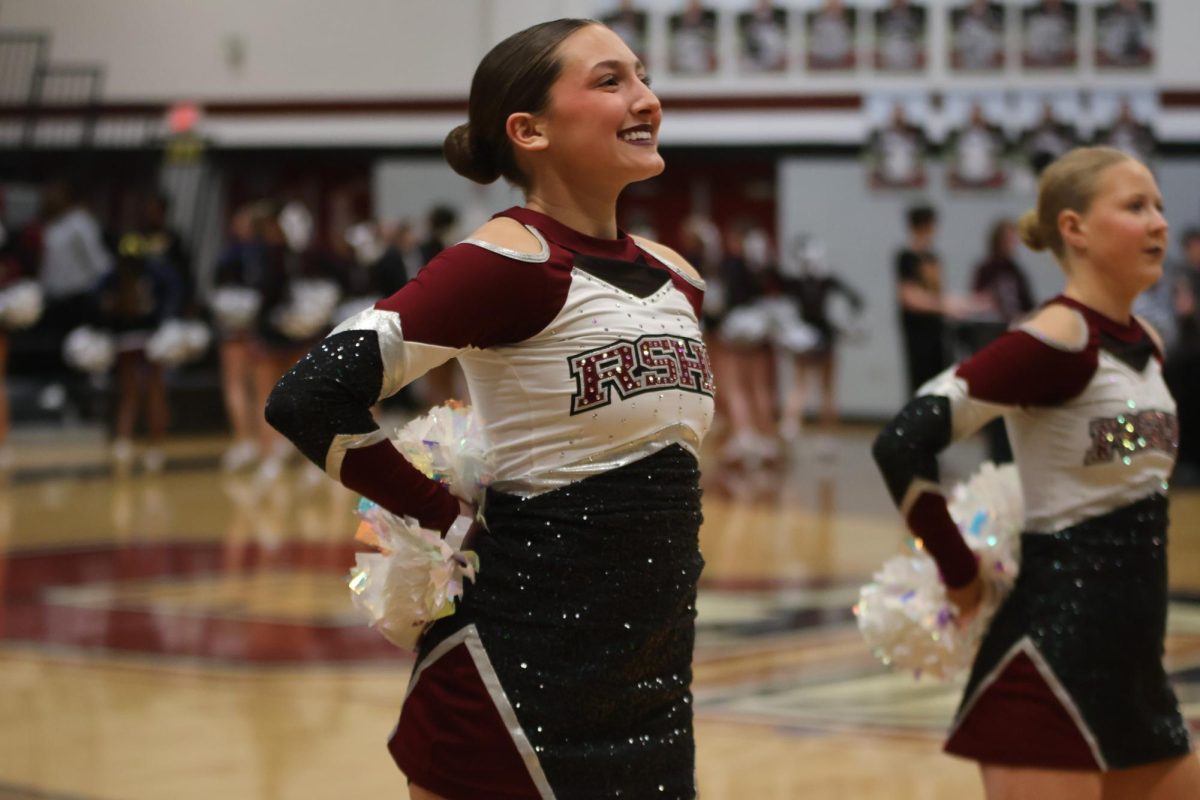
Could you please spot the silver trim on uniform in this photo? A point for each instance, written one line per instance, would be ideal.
(1065, 347)
(491, 681)
(1025, 645)
(532, 258)
(696, 282)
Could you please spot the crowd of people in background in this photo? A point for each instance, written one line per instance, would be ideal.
(278, 285)
(774, 316)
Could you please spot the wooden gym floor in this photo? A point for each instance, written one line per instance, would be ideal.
(189, 635)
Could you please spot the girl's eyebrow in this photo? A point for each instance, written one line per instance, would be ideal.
(613, 63)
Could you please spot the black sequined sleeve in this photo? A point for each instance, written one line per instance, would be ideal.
(906, 449)
(329, 393)
(323, 405)
(906, 452)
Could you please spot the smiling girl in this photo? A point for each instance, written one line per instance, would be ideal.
(565, 671)
(1068, 697)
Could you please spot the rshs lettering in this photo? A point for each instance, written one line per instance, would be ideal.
(646, 364)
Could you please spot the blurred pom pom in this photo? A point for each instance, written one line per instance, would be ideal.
(448, 445)
(89, 350)
(178, 342)
(21, 305)
(414, 580)
(351, 306)
(309, 311)
(904, 615)
(235, 307)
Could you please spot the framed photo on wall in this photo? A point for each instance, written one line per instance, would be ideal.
(897, 147)
(901, 37)
(1047, 129)
(1125, 34)
(630, 23)
(763, 38)
(831, 37)
(1124, 120)
(977, 149)
(1050, 34)
(693, 40)
(976, 37)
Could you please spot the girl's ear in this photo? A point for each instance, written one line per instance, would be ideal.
(526, 131)
(1072, 229)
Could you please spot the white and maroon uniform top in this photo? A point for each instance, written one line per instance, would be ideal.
(580, 358)
(1093, 428)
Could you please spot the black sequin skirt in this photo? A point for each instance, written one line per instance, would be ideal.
(585, 604)
(1088, 612)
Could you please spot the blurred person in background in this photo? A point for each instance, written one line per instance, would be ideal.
(18, 262)
(919, 294)
(565, 669)
(999, 280)
(291, 318)
(240, 268)
(812, 286)
(1002, 288)
(745, 335)
(444, 382)
(74, 258)
(1183, 365)
(165, 244)
(399, 261)
(139, 294)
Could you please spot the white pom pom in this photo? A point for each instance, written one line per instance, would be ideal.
(89, 350)
(309, 311)
(413, 581)
(21, 305)
(177, 342)
(904, 615)
(198, 337)
(448, 445)
(235, 307)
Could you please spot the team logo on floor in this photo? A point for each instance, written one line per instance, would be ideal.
(647, 364)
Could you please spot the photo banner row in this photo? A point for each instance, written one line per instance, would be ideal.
(987, 136)
(824, 36)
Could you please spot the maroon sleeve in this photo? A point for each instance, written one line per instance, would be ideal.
(468, 296)
(380, 473)
(1018, 369)
(930, 519)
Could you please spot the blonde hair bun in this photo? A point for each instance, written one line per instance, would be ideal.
(1030, 230)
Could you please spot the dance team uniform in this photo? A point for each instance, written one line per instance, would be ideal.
(1070, 673)
(566, 669)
